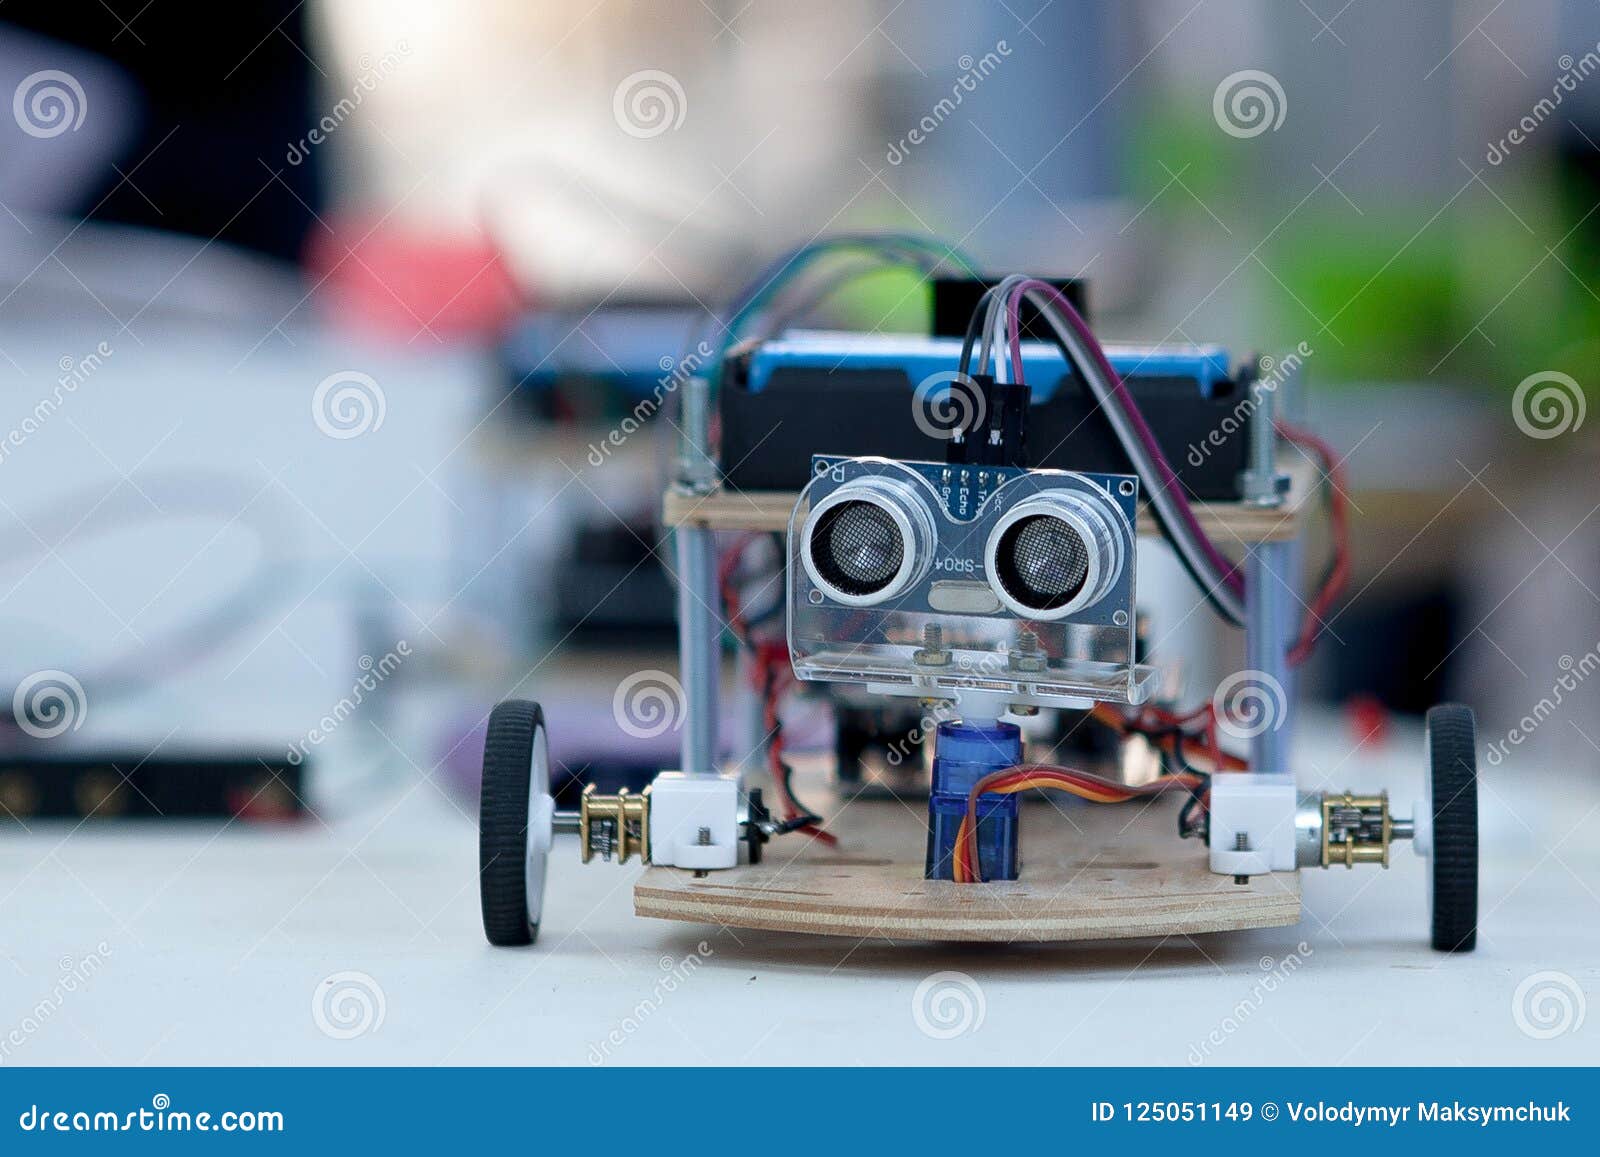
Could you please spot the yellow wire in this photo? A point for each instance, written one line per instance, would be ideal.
(962, 832)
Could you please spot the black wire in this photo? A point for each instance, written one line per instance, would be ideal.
(1206, 588)
(1184, 828)
(974, 326)
(1178, 762)
(1197, 792)
(1081, 373)
(807, 817)
(1179, 759)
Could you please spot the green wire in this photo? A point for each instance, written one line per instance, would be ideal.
(893, 248)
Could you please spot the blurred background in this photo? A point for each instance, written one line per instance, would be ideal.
(313, 316)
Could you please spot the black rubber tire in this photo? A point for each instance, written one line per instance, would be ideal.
(503, 822)
(1453, 749)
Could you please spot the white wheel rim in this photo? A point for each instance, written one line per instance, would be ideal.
(541, 824)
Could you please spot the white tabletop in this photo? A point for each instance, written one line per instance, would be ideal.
(212, 944)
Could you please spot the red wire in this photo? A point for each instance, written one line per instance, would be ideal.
(772, 663)
(966, 854)
(1157, 723)
(1339, 528)
(772, 675)
(725, 570)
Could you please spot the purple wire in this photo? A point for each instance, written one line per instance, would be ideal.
(1169, 479)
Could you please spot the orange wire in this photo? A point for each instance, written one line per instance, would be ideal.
(1206, 748)
(1010, 780)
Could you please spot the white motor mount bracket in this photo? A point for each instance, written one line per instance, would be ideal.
(694, 820)
(1252, 820)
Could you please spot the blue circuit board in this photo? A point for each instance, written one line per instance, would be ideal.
(964, 489)
(919, 357)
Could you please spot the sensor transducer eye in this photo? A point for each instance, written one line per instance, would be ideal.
(1056, 553)
(868, 541)
(1042, 562)
(858, 548)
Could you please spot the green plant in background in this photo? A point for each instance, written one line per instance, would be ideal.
(1391, 297)
(1470, 295)
(1175, 135)
(1470, 298)
(892, 300)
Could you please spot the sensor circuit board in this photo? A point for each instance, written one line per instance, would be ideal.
(964, 489)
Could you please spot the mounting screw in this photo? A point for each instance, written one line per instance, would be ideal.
(1027, 655)
(932, 653)
(1241, 843)
(703, 839)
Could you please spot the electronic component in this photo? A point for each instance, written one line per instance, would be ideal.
(1054, 554)
(139, 784)
(781, 398)
(996, 433)
(869, 540)
(918, 578)
(997, 587)
(966, 754)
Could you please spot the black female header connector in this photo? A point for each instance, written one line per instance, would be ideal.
(994, 430)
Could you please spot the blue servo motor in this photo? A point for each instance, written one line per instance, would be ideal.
(962, 755)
